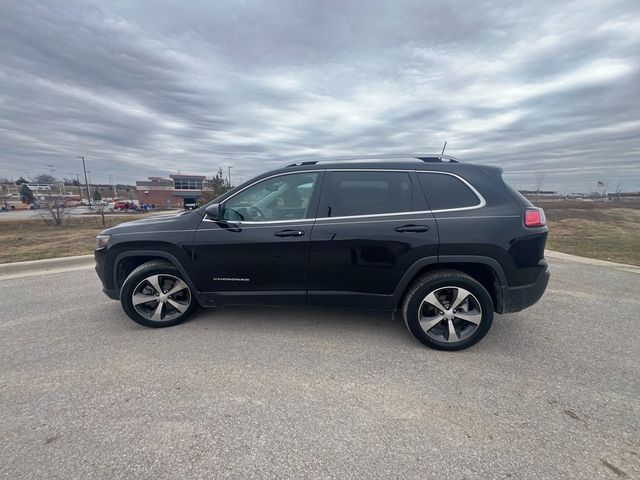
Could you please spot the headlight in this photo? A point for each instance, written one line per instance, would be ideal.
(101, 241)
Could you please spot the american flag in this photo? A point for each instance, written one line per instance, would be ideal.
(600, 184)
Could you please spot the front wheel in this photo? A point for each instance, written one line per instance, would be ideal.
(156, 295)
(448, 310)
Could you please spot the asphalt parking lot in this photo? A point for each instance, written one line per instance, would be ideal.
(552, 392)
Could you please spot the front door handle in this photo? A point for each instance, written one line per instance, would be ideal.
(289, 233)
(413, 228)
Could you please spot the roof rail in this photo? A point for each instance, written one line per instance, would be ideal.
(431, 158)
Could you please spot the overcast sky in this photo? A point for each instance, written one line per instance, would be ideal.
(150, 88)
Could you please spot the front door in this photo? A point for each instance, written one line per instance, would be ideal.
(258, 251)
(371, 227)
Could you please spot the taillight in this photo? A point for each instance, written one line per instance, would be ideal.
(534, 217)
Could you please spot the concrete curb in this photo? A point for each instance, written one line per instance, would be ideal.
(45, 267)
(591, 261)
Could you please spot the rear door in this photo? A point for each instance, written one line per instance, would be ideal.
(372, 226)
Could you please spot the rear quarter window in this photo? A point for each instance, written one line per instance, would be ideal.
(444, 191)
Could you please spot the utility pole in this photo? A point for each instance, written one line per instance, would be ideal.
(52, 171)
(79, 184)
(115, 194)
(86, 181)
(229, 167)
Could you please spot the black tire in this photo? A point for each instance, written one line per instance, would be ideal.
(137, 280)
(439, 283)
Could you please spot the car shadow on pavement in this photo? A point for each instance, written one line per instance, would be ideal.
(313, 324)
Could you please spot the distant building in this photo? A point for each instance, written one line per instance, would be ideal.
(43, 187)
(176, 191)
(624, 196)
(538, 192)
(12, 201)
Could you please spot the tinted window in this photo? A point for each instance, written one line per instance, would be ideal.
(445, 191)
(367, 193)
(280, 198)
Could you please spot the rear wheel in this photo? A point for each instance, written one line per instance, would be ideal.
(448, 310)
(156, 295)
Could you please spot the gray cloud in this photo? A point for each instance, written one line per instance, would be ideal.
(147, 88)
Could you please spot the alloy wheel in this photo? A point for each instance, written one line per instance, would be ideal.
(161, 297)
(449, 314)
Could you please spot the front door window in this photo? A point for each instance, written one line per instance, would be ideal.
(285, 197)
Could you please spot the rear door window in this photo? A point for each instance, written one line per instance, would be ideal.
(445, 191)
(366, 193)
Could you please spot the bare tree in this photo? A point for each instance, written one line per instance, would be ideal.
(44, 178)
(603, 188)
(101, 209)
(618, 191)
(540, 177)
(56, 212)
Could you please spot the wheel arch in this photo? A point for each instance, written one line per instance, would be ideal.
(485, 270)
(128, 261)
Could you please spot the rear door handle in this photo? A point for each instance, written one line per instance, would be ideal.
(289, 233)
(412, 228)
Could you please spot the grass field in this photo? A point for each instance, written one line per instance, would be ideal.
(603, 230)
(33, 240)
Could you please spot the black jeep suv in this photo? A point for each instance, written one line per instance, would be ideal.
(444, 243)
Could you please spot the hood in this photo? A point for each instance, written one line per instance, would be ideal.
(156, 222)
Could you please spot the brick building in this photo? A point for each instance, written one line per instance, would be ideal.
(176, 191)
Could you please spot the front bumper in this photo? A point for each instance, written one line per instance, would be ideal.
(112, 294)
(105, 274)
(515, 299)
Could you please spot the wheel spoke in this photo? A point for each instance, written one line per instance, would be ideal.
(177, 287)
(460, 297)
(157, 313)
(473, 317)
(140, 298)
(427, 323)
(154, 281)
(453, 336)
(177, 305)
(433, 300)
(151, 289)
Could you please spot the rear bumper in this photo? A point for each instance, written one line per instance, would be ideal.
(515, 299)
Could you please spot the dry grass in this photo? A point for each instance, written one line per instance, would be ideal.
(603, 230)
(33, 240)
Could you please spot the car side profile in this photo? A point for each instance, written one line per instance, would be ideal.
(443, 243)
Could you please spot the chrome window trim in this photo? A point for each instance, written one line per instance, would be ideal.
(482, 202)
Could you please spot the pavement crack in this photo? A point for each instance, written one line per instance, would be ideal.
(574, 415)
(614, 469)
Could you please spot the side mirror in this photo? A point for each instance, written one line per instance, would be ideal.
(213, 211)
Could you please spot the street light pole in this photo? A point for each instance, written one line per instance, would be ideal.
(113, 186)
(86, 181)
